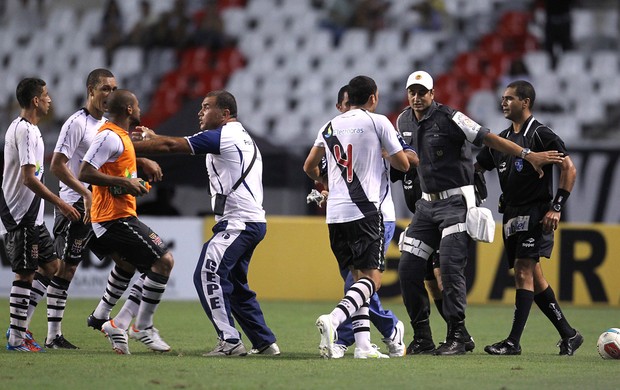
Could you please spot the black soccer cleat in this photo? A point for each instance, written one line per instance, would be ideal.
(95, 322)
(59, 342)
(470, 345)
(504, 347)
(569, 345)
(451, 347)
(421, 347)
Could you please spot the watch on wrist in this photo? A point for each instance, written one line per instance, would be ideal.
(557, 207)
(525, 152)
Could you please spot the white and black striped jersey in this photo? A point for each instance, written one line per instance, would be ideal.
(356, 169)
(23, 145)
(75, 137)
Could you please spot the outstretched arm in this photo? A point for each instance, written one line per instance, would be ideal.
(537, 159)
(152, 143)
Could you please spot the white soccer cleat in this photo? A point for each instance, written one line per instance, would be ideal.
(117, 336)
(224, 349)
(149, 337)
(395, 345)
(328, 336)
(372, 353)
(271, 349)
(338, 351)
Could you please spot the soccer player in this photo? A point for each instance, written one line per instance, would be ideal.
(531, 215)
(235, 176)
(71, 238)
(28, 243)
(110, 166)
(353, 143)
(390, 327)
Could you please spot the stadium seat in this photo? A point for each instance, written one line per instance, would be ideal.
(571, 64)
(537, 62)
(604, 64)
(127, 61)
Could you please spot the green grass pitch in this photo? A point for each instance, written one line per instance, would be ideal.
(185, 327)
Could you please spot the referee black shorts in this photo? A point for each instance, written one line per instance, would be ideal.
(28, 247)
(359, 244)
(132, 240)
(523, 235)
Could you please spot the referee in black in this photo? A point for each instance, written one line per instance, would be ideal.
(530, 216)
(441, 136)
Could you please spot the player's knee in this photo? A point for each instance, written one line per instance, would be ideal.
(164, 264)
(66, 270)
(49, 269)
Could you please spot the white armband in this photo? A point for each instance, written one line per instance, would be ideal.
(467, 125)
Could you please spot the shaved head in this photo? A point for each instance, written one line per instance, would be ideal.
(119, 100)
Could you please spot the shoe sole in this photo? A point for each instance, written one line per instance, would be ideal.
(324, 326)
(494, 353)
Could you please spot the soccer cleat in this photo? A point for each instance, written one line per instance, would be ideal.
(568, 345)
(372, 353)
(95, 322)
(470, 345)
(504, 347)
(421, 347)
(270, 349)
(224, 348)
(23, 347)
(450, 347)
(328, 335)
(32, 343)
(117, 337)
(338, 351)
(28, 342)
(396, 345)
(59, 342)
(149, 337)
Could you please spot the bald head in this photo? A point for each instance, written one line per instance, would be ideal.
(119, 100)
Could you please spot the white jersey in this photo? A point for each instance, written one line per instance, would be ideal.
(229, 151)
(23, 145)
(355, 168)
(75, 137)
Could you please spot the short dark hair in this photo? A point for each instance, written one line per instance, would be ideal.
(96, 75)
(360, 89)
(343, 90)
(225, 100)
(27, 89)
(119, 100)
(524, 89)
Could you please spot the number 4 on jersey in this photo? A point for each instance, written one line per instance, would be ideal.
(346, 161)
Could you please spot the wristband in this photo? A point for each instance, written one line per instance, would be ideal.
(560, 199)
